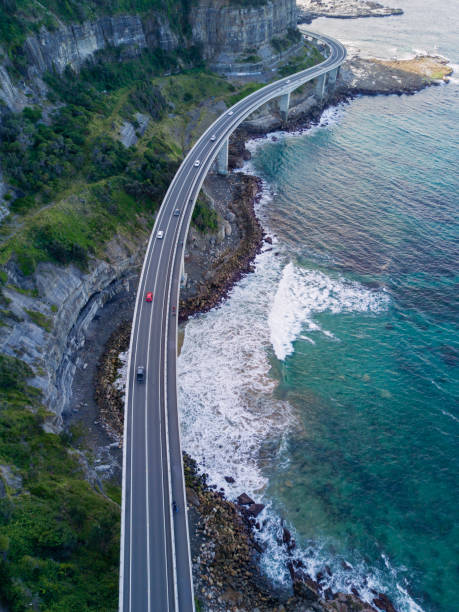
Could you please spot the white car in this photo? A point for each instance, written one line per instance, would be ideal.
(231, 113)
(213, 138)
(196, 163)
(160, 234)
(287, 81)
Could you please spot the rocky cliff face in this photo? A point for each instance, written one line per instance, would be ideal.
(72, 45)
(47, 330)
(226, 30)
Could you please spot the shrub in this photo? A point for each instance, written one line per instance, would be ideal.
(204, 218)
(147, 98)
(62, 247)
(13, 373)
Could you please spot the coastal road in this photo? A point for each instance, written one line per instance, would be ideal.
(155, 563)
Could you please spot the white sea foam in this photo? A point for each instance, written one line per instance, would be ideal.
(329, 118)
(302, 293)
(454, 77)
(226, 395)
(451, 416)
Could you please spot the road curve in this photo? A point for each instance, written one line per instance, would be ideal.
(155, 564)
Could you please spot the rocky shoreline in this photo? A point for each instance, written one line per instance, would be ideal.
(232, 264)
(342, 9)
(226, 554)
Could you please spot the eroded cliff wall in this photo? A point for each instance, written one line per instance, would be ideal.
(226, 30)
(72, 45)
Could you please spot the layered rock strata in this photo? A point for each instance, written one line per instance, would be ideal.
(72, 45)
(226, 31)
(48, 315)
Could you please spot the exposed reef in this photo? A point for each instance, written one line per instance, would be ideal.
(375, 76)
(342, 9)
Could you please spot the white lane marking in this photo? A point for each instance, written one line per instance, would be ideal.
(147, 446)
(160, 256)
(197, 179)
(164, 352)
(140, 292)
(130, 407)
(129, 415)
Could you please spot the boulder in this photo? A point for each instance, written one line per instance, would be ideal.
(286, 536)
(345, 602)
(254, 509)
(306, 588)
(229, 479)
(384, 603)
(192, 497)
(244, 500)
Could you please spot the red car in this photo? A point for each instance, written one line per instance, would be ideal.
(149, 297)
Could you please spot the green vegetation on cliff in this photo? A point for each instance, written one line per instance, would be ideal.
(22, 18)
(59, 534)
(78, 185)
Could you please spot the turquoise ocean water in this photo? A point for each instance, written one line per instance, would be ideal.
(335, 365)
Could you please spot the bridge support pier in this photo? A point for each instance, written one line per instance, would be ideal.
(320, 87)
(332, 76)
(284, 103)
(222, 159)
(183, 275)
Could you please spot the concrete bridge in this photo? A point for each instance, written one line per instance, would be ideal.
(325, 84)
(155, 563)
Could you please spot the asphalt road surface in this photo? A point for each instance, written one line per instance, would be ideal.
(155, 564)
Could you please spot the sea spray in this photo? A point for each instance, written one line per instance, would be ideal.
(301, 293)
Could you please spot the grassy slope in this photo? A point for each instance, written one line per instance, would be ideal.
(79, 185)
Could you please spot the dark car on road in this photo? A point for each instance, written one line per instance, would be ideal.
(140, 374)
